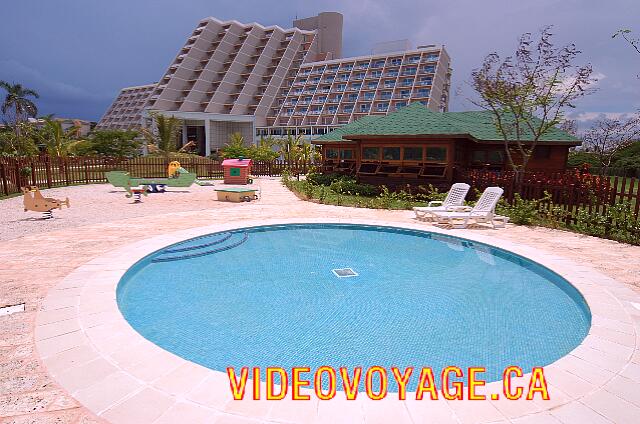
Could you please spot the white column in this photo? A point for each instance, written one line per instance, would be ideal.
(207, 137)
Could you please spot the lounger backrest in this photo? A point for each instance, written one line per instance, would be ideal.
(456, 195)
(487, 202)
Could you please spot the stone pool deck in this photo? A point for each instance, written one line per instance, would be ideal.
(601, 383)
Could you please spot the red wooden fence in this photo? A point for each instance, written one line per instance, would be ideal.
(571, 190)
(47, 171)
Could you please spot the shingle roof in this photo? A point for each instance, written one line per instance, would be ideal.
(416, 119)
(336, 135)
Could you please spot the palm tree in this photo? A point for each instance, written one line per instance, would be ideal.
(164, 133)
(56, 140)
(17, 101)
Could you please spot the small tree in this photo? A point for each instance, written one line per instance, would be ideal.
(162, 137)
(235, 147)
(529, 92)
(264, 151)
(608, 137)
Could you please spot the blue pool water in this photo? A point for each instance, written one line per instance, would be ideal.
(268, 296)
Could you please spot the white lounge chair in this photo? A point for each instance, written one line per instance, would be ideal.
(482, 212)
(455, 198)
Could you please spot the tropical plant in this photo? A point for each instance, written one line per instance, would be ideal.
(288, 146)
(114, 143)
(17, 102)
(56, 140)
(529, 92)
(11, 144)
(235, 147)
(264, 150)
(162, 137)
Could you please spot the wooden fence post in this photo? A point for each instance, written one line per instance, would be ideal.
(3, 177)
(47, 164)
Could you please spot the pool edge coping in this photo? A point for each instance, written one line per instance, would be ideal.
(95, 345)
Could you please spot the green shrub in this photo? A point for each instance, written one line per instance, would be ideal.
(521, 212)
(351, 186)
(324, 179)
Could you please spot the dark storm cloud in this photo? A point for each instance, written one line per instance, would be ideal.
(78, 54)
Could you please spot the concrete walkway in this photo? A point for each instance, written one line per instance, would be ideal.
(100, 221)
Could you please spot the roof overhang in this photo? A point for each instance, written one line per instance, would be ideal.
(354, 138)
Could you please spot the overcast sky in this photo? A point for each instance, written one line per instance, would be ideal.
(78, 53)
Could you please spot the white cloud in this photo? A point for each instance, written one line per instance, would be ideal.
(592, 116)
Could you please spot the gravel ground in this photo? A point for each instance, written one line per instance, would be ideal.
(97, 203)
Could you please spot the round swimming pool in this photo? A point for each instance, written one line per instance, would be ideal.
(351, 295)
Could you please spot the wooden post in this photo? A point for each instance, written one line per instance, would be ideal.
(47, 164)
(3, 177)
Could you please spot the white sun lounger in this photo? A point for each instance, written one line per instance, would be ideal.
(455, 198)
(482, 212)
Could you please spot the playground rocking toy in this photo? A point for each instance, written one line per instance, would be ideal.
(38, 203)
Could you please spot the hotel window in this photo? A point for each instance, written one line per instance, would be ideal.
(412, 153)
(409, 71)
(429, 69)
(391, 153)
(376, 74)
(356, 86)
(341, 87)
(407, 82)
(436, 154)
(348, 109)
(424, 92)
(382, 107)
(378, 64)
(396, 61)
(369, 96)
(332, 109)
(389, 84)
(333, 67)
(426, 80)
(432, 57)
(385, 95)
(371, 153)
(400, 105)
(495, 156)
(352, 97)
(372, 85)
(365, 108)
(542, 152)
(404, 94)
(331, 153)
(347, 154)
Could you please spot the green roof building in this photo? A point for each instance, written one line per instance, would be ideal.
(418, 146)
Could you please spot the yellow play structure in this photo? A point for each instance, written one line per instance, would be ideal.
(38, 203)
(175, 169)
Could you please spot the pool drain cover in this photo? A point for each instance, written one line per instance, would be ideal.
(344, 272)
